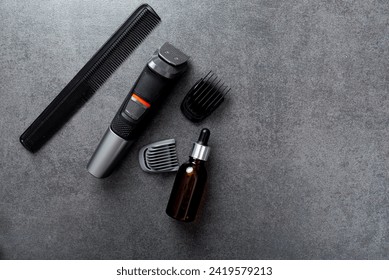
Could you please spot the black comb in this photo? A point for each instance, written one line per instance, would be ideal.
(204, 97)
(91, 77)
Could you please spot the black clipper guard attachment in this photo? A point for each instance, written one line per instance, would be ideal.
(204, 97)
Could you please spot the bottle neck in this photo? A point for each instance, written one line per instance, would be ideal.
(196, 161)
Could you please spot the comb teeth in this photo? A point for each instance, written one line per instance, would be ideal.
(204, 97)
(159, 157)
(121, 48)
(94, 73)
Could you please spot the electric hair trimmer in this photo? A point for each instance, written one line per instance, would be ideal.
(164, 67)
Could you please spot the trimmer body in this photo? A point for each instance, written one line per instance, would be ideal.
(165, 66)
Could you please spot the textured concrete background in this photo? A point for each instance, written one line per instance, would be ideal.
(299, 163)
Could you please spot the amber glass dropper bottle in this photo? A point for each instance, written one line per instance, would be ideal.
(190, 182)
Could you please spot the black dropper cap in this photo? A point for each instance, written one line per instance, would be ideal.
(204, 136)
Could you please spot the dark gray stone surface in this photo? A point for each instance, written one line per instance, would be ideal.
(299, 163)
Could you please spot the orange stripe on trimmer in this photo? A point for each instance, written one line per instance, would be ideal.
(141, 100)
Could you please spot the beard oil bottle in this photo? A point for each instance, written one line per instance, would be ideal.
(190, 182)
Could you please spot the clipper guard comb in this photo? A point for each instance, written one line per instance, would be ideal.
(159, 157)
(204, 97)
